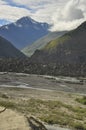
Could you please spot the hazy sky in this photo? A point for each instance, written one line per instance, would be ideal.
(63, 14)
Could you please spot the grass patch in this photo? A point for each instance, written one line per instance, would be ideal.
(81, 100)
(51, 112)
(7, 104)
(4, 96)
(79, 126)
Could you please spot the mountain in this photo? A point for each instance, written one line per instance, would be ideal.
(69, 49)
(7, 50)
(24, 31)
(40, 43)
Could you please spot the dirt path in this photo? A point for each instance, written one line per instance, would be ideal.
(11, 120)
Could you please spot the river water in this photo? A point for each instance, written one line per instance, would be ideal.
(50, 127)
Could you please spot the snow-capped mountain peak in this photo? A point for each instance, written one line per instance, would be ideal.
(24, 31)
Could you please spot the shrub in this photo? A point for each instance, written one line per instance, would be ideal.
(4, 96)
(81, 100)
(79, 126)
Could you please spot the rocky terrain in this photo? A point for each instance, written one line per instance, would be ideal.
(59, 83)
(41, 43)
(42, 102)
(7, 50)
(24, 31)
(68, 49)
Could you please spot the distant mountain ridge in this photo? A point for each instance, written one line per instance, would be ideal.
(24, 31)
(69, 48)
(40, 43)
(7, 50)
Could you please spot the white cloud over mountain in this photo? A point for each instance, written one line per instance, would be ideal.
(65, 14)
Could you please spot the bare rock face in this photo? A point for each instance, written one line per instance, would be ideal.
(35, 124)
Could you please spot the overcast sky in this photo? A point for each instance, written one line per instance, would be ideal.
(63, 14)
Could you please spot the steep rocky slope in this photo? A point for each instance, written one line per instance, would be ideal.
(24, 31)
(7, 50)
(40, 43)
(70, 48)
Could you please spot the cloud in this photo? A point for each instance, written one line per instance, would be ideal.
(11, 13)
(68, 17)
(71, 12)
(63, 15)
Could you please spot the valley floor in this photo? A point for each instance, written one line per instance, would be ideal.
(56, 101)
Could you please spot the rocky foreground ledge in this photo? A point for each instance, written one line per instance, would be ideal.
(12, 120)
(35, 124)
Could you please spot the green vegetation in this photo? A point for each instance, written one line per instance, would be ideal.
(8, 104)
(51, 45)
(79, 126)
(82, 100)
(41, 43)
(4, 96)
(51, 112)
(25, 66)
